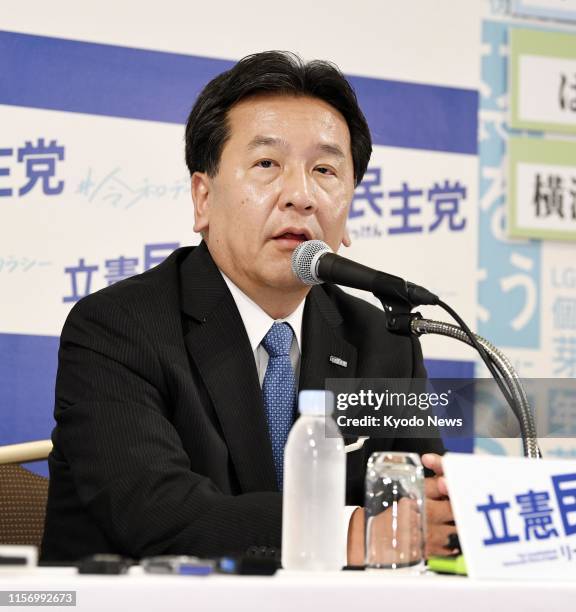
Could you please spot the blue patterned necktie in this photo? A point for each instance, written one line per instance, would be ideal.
(279, 391)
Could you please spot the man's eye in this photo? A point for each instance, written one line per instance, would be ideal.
(325, 170)
(265, 163)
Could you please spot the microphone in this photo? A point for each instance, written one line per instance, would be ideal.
(313, 262)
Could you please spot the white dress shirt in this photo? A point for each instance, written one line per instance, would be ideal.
(258, 323)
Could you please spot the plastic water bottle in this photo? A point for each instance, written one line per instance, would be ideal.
(313, 531)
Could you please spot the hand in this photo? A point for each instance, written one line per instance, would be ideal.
(440, 518)
(356, 537)
(406, 535)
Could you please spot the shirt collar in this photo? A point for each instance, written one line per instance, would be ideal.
(257, 322)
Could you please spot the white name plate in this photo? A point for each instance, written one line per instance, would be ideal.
(516, 517)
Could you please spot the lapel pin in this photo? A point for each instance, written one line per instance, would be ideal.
(337, 361)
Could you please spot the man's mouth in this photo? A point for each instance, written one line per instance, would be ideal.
(291, 236)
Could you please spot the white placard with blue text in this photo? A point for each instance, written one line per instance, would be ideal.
(516, 517)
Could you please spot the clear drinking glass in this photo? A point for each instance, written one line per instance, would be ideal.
(395, 514)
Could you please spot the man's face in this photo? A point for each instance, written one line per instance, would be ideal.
(285, 176)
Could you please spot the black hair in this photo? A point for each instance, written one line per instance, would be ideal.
(276, 72)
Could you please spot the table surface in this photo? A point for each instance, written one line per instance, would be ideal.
(294, 592)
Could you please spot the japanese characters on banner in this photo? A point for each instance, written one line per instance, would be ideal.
(396, 212)
(527, 288)
(542, 171)
(516, 517)
(542, 188)
(93, 214)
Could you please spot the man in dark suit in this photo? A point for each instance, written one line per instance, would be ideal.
(163, 441)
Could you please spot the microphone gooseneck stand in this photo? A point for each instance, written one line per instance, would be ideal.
(503, 365)
(402, 321)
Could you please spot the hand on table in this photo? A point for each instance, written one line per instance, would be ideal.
(440, 519)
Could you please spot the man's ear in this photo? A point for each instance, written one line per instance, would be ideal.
(200, 187)
(346, 240)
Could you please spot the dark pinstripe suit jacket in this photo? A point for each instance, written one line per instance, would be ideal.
(161, 443)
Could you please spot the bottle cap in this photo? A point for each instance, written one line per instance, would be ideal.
(316, 403)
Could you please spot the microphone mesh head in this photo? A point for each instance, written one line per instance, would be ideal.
(305, 258)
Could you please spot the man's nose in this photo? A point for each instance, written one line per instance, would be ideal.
(298, 191)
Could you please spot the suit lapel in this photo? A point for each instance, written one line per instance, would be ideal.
(322, 339)
(325, 353)
(218, 344)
